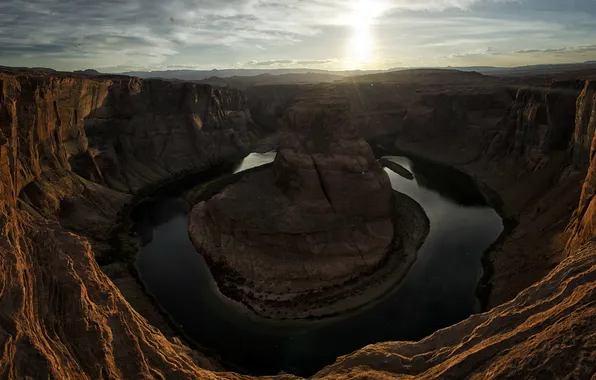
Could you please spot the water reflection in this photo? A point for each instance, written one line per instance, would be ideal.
(437, 292)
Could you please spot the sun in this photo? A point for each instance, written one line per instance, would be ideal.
(365, 11)
(361, 43)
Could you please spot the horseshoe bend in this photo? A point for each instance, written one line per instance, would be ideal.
(423, 224)
(322, 216)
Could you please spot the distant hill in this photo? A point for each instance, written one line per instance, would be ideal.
(197, 75)
(210, 75)
(419, 75)
(245, 78)
(243, 82)
(88, 72)
(531, 70)
(43, 69)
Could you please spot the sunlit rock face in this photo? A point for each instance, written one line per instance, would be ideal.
(320, 217)
(583, 224)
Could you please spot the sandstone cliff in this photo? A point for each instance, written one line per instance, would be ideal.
(583, 226)
(73, 151)
(82, 144)
(61, 317)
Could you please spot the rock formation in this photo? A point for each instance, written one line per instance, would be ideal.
(320, 218)
(585, 123)
(583, 225)
(61, 317)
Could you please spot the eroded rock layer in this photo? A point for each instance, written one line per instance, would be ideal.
(322, 216)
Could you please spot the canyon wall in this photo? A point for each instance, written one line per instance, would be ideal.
(583, 225)
(539, 121)
(61, 317)
(531, 160)
(82, 144)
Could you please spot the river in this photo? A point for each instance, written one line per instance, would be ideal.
(438, 291)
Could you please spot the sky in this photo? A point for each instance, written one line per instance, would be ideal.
(126, 35)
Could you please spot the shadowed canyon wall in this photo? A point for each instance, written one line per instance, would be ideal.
(81, 144)
(64, 165)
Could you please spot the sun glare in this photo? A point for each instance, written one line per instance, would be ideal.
(366, 11)
(360, 46)
(361, 43)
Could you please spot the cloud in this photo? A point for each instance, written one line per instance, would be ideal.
(274, 62)
(567, 54)
(289, 63)
(563, 50)
(72, 34)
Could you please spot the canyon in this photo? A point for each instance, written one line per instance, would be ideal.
(77, 151)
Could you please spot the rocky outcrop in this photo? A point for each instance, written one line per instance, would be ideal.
(61, 317)
(322, 159)
(320, 218)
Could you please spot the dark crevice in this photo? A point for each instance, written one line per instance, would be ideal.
(322, 183)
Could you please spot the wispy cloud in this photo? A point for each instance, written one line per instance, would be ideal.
(70, 34)
(290, 63)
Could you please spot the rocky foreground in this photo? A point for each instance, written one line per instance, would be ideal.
(62, 317)
(305, 237)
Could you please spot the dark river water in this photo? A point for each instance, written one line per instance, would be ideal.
(438, 291)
